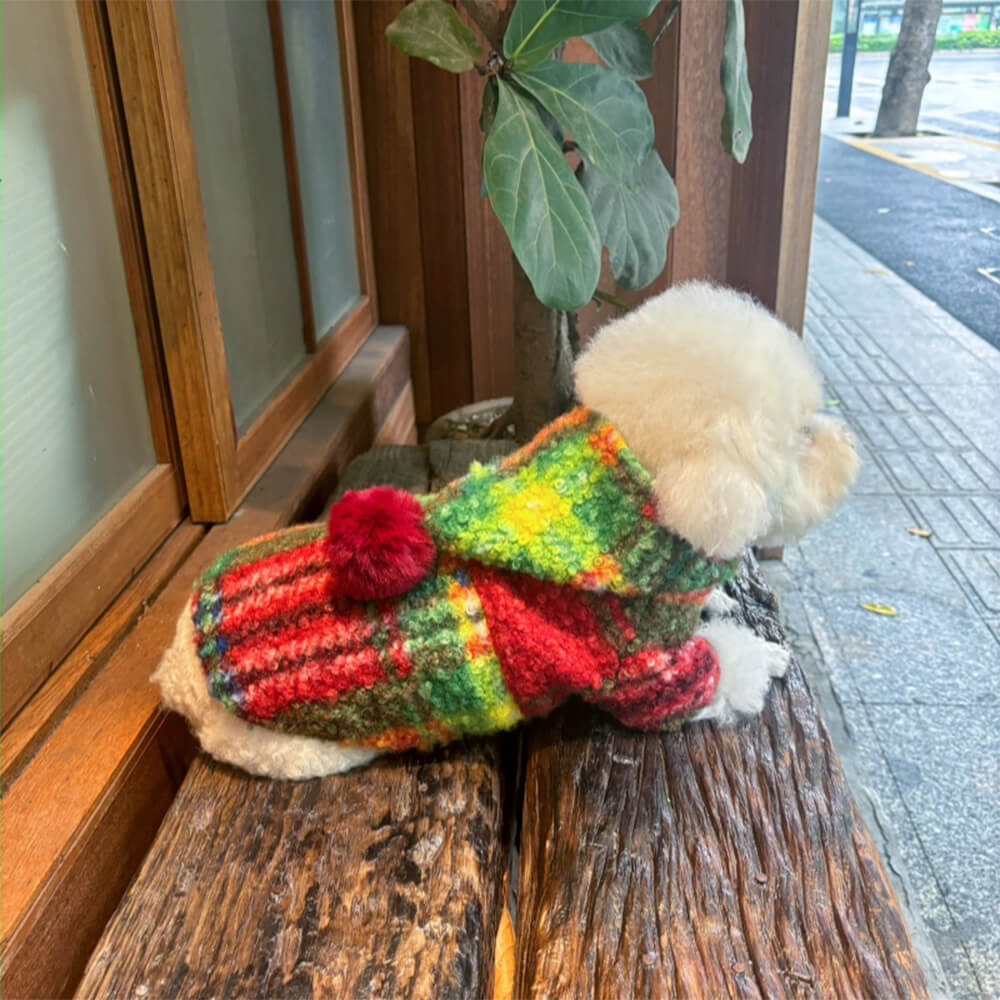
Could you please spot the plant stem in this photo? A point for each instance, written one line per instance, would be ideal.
(543, 361)
(490, 18)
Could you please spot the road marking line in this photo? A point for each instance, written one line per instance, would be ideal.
(867, 147)
(990, 274)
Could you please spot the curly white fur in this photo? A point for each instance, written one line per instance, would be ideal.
(716, 397)
(746, 665)
(230, 739)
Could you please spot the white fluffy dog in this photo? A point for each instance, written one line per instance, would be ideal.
(718, 399)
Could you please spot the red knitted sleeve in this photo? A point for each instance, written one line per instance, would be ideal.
(655, 687)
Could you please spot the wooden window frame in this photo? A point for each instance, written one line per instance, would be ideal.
(219, 465)
(44, 624)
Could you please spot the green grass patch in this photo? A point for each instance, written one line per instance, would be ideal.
(953, 40)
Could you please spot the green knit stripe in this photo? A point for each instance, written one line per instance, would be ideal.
(262, 547)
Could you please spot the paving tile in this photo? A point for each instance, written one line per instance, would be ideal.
(962, 469)
(917, 696)
(989, 507)
(890, 370)
(832, 662)
(951, 434)
(944, 472)
(944, 761)
(970, 515)
(919, 399)
(908, 866)
(973, 408)
(984, 468)
(843, 399)
(924, 430)
(932, 513)
(980, 569)
(871, 478)
(875, 430)
(933, 361)
(909, 658)
(865, 547)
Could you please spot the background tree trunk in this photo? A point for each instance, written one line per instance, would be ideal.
(543, 361)
(907, 75)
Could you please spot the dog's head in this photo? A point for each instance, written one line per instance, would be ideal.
(718, 399)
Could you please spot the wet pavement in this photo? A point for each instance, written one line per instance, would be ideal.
(912, 699)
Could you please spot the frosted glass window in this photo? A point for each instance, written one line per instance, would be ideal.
(75, 428)
(313, 56)
(233, 97)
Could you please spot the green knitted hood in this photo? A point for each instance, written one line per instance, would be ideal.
(575, 507)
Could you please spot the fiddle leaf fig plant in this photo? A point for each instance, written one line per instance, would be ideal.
(737, 130)
(614, 189)
(568, 159)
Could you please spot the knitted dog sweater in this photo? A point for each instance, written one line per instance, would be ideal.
(551, 577)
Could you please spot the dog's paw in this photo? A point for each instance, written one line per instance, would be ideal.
(719, 605)
(746, 665)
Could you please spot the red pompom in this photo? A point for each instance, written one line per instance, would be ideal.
(377, 543)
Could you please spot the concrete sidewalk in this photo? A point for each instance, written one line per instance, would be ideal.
(913, 700)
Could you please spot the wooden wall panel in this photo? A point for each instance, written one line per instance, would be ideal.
(758, 186)
(802, 157)
(394, 194)
(489, 263)
(441, 178)
(703, 169)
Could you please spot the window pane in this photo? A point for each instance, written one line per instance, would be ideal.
(229, 70)
(313, 56)
(75, 426)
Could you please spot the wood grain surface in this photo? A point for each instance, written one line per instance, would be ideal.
(383, 882)
(706, 863)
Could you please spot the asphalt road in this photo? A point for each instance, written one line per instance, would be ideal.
(931, 234)
(963, 94)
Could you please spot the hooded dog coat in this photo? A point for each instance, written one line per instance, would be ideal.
(550, 577)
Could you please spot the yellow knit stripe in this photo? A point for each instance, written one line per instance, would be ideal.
(483, 667)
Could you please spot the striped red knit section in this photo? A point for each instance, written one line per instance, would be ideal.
(659, 684)
(314, 682)
(280, 567)
(316, 634)
(395, 643)
(264, 610)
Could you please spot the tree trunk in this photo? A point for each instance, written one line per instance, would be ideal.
(543, 361)
(907, 75)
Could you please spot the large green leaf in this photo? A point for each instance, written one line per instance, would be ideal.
(432, 30)
(488, 111)
(626, 47)
(737, 128)
(537, 26)
(634, 225)
(606, 114)
(540, 204)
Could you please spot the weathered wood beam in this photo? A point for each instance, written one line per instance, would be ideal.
(381, 882)
(705, 863)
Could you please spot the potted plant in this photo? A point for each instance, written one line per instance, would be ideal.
(568, 162)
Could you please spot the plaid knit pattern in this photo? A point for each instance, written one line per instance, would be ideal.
(553, 579)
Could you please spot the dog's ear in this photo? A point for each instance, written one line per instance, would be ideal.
(819, 481)
(713, 495)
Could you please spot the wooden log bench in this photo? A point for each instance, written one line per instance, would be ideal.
(705, 863)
